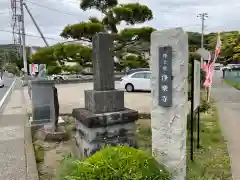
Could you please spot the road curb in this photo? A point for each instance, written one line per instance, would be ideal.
(31, 164)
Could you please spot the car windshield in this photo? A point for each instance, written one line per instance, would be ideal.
(131, 71)
(145, 75)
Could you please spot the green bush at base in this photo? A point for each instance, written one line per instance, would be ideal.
(114, 163)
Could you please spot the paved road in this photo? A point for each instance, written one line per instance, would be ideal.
(72, 96)
(7, 83)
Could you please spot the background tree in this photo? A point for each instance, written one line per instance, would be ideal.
(54, 69)
(133, 61)
(114, 14)
(75, 69)
(59, 54)
(12, 68)
(230, 52)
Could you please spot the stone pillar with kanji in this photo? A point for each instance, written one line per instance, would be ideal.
(104, 120)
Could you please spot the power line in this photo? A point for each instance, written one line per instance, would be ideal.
(30, 35)
(52, 9)
(4, 12)
(162, 11)
(35, 23)
(26, 24)
(72, 14)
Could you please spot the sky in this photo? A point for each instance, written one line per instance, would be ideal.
(53, 15)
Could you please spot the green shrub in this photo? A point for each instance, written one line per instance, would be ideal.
(114, 163)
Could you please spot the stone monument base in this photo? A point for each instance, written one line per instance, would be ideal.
(46, 133)
(35, 125)
(95, 131)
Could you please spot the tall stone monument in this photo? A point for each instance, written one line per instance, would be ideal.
(104, 120)
(169, 81)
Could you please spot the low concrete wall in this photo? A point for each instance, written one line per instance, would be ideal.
(72, 81)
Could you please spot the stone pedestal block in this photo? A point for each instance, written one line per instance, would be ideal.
(104, 101)
(96, 131)
(42, 101)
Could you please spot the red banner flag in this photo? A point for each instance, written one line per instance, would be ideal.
(210, 69)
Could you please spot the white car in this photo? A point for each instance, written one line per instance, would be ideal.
(1, 83)
(137, 81)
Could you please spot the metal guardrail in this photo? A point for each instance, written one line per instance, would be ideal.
(233, 75)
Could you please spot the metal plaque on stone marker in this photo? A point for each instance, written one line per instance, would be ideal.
(196, 94)
(165, 76)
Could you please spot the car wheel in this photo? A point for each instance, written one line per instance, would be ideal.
(129, 88)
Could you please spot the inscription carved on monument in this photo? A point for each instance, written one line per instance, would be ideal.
(165, 76)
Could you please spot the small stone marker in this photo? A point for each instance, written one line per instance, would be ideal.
(43, 110)
(169, 118)
(196, 92)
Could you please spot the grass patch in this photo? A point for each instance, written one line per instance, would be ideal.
(144, 135)
(211, 161)
(233, 83)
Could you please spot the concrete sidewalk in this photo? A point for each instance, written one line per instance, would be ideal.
(228, 104)
(13, 159)
(12, 149)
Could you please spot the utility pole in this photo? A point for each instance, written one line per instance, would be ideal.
(24, 54)
(203, 17)
(20, 38)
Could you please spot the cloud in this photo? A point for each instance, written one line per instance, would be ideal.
(53, 15)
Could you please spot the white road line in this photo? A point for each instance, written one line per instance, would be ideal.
(6, 94)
